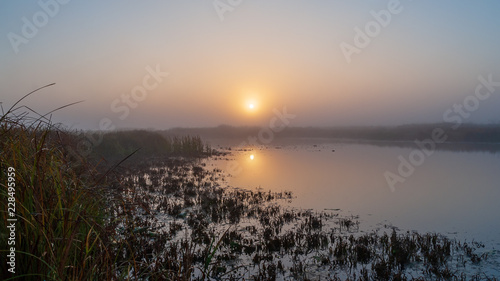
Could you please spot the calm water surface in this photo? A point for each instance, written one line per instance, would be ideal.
(454, 193)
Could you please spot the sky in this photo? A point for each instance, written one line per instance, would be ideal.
(163, 64)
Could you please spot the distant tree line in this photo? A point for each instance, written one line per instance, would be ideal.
(470, 133)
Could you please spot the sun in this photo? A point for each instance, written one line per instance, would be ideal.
(251, 105)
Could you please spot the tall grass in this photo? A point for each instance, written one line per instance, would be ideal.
(73, 220)
(60, 219)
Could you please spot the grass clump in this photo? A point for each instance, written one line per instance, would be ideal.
(60, 218)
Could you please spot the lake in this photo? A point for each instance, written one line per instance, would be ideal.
(452, 193)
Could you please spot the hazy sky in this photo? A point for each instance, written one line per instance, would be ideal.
(221, 56)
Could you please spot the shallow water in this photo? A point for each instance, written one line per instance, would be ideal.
(453, 193)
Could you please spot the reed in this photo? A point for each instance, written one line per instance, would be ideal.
(60, 219)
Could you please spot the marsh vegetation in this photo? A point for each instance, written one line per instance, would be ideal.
(167, 217)
(235, 234)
